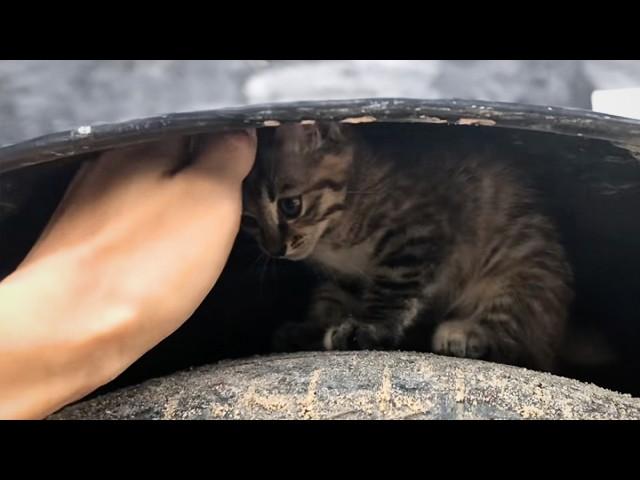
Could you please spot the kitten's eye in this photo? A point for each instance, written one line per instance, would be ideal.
(290, 207)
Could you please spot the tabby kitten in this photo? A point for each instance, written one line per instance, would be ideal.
(421, 247)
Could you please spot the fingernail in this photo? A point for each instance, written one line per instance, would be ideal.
(251, 132)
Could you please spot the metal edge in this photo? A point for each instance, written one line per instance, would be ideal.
(93, 138)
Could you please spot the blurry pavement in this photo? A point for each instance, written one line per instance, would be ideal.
(39, 97)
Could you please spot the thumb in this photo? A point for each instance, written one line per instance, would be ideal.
(230, 155)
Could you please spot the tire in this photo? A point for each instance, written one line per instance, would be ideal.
(357, 385)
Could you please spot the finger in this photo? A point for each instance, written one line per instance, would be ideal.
(154, 157)
(229, 155)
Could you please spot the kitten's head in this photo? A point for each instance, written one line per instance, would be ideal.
(297, 188)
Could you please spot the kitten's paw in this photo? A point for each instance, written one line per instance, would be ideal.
(292, 337)
(352, 335)
(460, 339)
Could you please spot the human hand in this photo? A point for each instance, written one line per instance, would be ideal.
(128, 256)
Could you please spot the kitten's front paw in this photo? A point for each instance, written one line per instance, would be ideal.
(352, 335)
(343, 337)
(460, 339)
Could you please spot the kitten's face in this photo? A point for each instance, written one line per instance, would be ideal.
(297, 189)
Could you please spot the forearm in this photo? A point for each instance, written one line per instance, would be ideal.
(74, 320)
(46, 363)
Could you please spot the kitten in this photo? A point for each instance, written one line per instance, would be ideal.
(421, 247)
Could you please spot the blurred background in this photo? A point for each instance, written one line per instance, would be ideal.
(43, 96)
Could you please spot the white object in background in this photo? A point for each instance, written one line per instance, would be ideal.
(344, 79)
(623, 102)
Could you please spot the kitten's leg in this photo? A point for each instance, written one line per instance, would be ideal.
(405, 264)
(330, 305)
(521, 326)
(461, 338)
(390, 306)
(380, 326)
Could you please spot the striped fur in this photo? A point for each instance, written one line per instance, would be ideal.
(407, 238)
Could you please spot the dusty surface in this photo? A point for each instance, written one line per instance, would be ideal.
(358, 385)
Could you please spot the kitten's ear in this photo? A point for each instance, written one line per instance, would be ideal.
(311, 136)
(334, 132)
(321, 133)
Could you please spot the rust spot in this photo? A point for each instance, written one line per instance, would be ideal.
(271, 123)
(428, 119)
(363, 119)
(476, 121)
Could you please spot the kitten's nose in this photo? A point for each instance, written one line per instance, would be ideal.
(272, 244)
